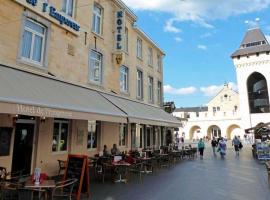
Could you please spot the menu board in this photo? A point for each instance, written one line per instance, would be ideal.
(77, 168)
(263, 151)
(5, 138)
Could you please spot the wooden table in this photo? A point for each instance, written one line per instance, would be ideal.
(47, 185)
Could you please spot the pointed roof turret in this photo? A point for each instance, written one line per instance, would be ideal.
(253, 42)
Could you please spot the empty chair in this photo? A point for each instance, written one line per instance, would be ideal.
(64, 189)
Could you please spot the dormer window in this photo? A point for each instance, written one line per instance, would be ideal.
(252, 44)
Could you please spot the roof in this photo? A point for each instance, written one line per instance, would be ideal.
(19, 87)
(191, 109)
(253, 42)
(142, 113)
(127, 9)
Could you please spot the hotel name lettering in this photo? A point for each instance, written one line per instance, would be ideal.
(120, 29)
(42, 112)
(63, 20)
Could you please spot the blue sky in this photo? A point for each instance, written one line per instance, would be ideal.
(198, 38)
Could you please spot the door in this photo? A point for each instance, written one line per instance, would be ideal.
(23, 147)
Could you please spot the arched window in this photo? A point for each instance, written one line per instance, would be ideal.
(258, 93)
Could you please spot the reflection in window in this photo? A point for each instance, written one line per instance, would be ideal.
(60, 135)
(258, 93)
(92, 137)
(122, 134)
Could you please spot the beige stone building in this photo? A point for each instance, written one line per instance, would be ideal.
(76, 75)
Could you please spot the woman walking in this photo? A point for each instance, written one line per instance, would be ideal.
(222, 147)
(201, 147)
(236, 144)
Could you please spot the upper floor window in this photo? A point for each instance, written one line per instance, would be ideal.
(124, 79)
(150, 56)
(139, 84)
(33, 42)
(159, 63)
(60, 135)
(126, 39)
(150, 89)
(68, 7)
(159, 92)
(95, 67)
(218, 108)
(139, 48)
(97, 19)
(214, 109)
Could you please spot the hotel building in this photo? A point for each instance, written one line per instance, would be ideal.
(76, 75)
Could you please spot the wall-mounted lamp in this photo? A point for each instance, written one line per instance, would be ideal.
(42, 119)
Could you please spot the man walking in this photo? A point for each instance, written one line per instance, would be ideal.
(236, 143)
(214, 144)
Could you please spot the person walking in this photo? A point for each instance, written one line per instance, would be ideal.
(201, 147)
(214, 144)
(222, 147)
(236, 144)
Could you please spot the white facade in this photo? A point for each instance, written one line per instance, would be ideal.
(221, 117)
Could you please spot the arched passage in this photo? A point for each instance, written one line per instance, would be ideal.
(194, 132)
(213, 131)
(233, 130)
(258, 97)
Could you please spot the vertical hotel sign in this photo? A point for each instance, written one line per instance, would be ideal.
(120, 30)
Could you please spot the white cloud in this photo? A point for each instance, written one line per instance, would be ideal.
(169, 27)
(212, 90)
(202, 47)
(206, 35)
(253, 23)
(178, 39)
(168, 89)
(201, 12)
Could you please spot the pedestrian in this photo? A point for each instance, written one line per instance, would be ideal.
(222, 147)
(201, 147)
(236, 143)
(214, 145)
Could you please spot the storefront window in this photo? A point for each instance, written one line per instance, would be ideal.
(93, 132)
(122, 134)
(60, 135)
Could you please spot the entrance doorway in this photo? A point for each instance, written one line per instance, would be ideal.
(23, 147)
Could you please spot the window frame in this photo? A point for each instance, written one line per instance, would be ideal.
(150, 56)
(96, 133)
(126, 40)
(159, 93)
(91, 77)
(65, 7)
(151, 90)
(159, 63)
(94, 19)
(34, 34)
(125, 133)
(139, 86)
(126, 79)
(139, 48)
(60, 122)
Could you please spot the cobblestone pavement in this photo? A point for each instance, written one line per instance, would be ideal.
(234, 178)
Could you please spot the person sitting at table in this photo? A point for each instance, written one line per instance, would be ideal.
(115, 150)
(105, 151)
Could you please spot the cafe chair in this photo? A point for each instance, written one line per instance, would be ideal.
(62, 166)
(31, 194)
(9, 191)
(137, 168)
(64, 189)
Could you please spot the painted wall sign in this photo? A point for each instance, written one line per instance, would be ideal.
(51, 10)
(43, 112)
(120, 30)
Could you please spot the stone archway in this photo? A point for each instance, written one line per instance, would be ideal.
(194, 132)
(233, 130)
(213, 131)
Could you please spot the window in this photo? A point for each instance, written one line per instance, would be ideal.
(218, 108)
(97, 19)
(95, 68)
(150, 89)
(139, 48)
(33, 42)
(150, 56)
(124, 79)
(159, 92)
(94, 128)
(68, 7)
(235, 108)
(60, 135)
(258, 93)
(214, 109)
(159, 63)
(139, 84)
(122, 134)
(197, 114)
(126, 39)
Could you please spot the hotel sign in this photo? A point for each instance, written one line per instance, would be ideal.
(43, 8)
(42, 112)
(120, 30)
